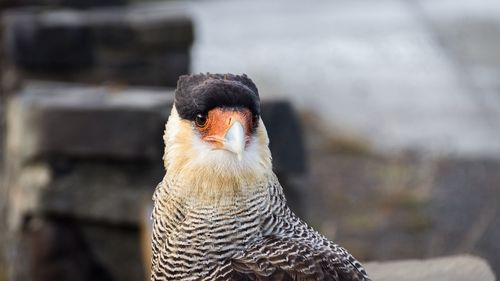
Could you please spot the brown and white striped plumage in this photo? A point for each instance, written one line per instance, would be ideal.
(217, 217)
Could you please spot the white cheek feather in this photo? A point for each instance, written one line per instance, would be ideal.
(223, 161)
(208, 173)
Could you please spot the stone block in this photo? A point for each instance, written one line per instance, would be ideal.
(454, 268)
(285, 134)
(75, 217)
(60, 45)
(59, 251)
(140, 44)
(288, 151)
(111, 193)
(161, 69)
(49, 119)
(148, 27)
(59, 248)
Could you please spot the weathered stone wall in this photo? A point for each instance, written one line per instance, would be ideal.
(110, 42)
(81, 163)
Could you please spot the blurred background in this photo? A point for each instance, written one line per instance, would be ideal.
(384, 120)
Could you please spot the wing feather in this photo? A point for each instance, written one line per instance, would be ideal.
(279, 258)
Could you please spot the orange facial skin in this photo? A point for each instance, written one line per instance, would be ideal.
(219, 120)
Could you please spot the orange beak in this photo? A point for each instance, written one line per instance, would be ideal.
(228, 129)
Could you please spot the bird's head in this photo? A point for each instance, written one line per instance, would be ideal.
(215, 141)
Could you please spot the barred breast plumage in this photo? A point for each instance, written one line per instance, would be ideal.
(214, 220)
(253, 238)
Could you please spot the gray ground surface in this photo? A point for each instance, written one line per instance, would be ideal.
(456, 268)
(403, 75)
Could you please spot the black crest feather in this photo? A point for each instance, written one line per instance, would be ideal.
(200, 93)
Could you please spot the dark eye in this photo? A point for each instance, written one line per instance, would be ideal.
(200, 120)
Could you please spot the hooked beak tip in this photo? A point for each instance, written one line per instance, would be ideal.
(234, 140)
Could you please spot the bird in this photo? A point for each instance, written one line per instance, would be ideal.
(220, 212)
